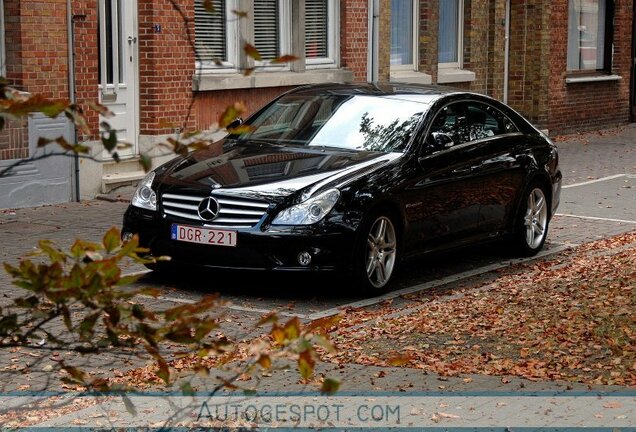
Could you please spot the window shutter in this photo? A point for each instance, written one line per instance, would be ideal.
(316, 28)
(210, 32)
(266, 30)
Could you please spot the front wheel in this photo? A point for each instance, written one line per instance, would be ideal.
(376, 254)
(532, 221)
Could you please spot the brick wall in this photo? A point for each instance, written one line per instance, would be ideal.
(86, 61)
(576, 107)
(428, 40)
(475, 42)
(496, 48)
(354, 37)
(36, 60)
(208, 106)
(166, 66)
(529, 51)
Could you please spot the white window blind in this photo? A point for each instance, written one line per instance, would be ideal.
(316, 28)
(402, 32)
(586, 35)
(450, 23)
(210, 32)
(266, 28)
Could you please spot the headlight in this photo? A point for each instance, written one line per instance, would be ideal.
(310, 211)
(144, 196)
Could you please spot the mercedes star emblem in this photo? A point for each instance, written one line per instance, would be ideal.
(208, 208)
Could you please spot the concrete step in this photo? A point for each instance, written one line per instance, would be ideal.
(115, 180)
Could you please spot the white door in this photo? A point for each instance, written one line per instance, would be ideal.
(118, 64)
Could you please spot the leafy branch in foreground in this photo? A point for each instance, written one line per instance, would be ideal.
(79, 302)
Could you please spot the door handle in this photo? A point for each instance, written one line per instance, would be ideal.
(132, 39)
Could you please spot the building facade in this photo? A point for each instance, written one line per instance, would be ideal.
(167, 66)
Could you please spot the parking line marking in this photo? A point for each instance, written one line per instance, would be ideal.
(264, 311)
(612, 177)
(596, 218)
(433, 284)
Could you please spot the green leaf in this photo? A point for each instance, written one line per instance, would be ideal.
(208, 5)
(306, 364)
(251, 51)
(230, 114)
(330, 386)
(242, 129)
(130, 407)
(186, 389)
(324, 343)
(112, 240)
(78, 375)
(146, 162)
(28, 303)
(284, 59)
(164, 371)
(87, 325)
(271, 317)
(292, 329)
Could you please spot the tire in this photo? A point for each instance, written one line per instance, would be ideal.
(533, 218)
(376, 254)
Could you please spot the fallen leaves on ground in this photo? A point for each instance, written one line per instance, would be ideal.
(569, 319)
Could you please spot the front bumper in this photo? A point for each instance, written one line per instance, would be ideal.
(329, 244)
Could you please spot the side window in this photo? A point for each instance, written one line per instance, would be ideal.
(446, 129)
(484, 121)
(463, 122)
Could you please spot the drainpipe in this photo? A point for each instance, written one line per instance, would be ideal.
(506, 52)
(374, 35)
(71, 89)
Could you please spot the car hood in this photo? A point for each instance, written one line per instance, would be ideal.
(269, 171)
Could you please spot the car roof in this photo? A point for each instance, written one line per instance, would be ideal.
(413, 92)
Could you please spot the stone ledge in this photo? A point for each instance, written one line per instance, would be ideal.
(412, 77)
(593, 78)
(445, 76)
(215, 81)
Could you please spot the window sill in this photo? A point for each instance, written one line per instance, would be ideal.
(445, 76)
(411, 77)
(592, 78)
(216, 81)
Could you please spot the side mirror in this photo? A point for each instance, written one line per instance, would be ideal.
(442, 140)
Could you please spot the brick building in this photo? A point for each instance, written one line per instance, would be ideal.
(565, 64)
(168, 65)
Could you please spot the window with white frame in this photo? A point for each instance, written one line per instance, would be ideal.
(216, 35)
(590, 35)
(403, 34)
(321, 33)
(268, 26)
(450, 36)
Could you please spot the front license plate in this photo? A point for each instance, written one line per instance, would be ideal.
(208, 236)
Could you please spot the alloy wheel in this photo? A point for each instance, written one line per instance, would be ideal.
(381, 252)
(536, 218)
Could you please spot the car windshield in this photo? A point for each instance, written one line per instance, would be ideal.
(352, 122)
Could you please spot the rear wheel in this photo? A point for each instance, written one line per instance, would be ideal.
(376, 254)
(532, 221)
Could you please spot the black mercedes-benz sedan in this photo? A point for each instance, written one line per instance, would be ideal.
(353, 178)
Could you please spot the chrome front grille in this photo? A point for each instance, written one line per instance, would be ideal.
(233, 212)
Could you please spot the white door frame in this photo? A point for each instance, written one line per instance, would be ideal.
(119, 70)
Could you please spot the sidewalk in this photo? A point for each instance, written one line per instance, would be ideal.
(582, 158)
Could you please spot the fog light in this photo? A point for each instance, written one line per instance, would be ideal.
(304, 258)
(127, 236)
